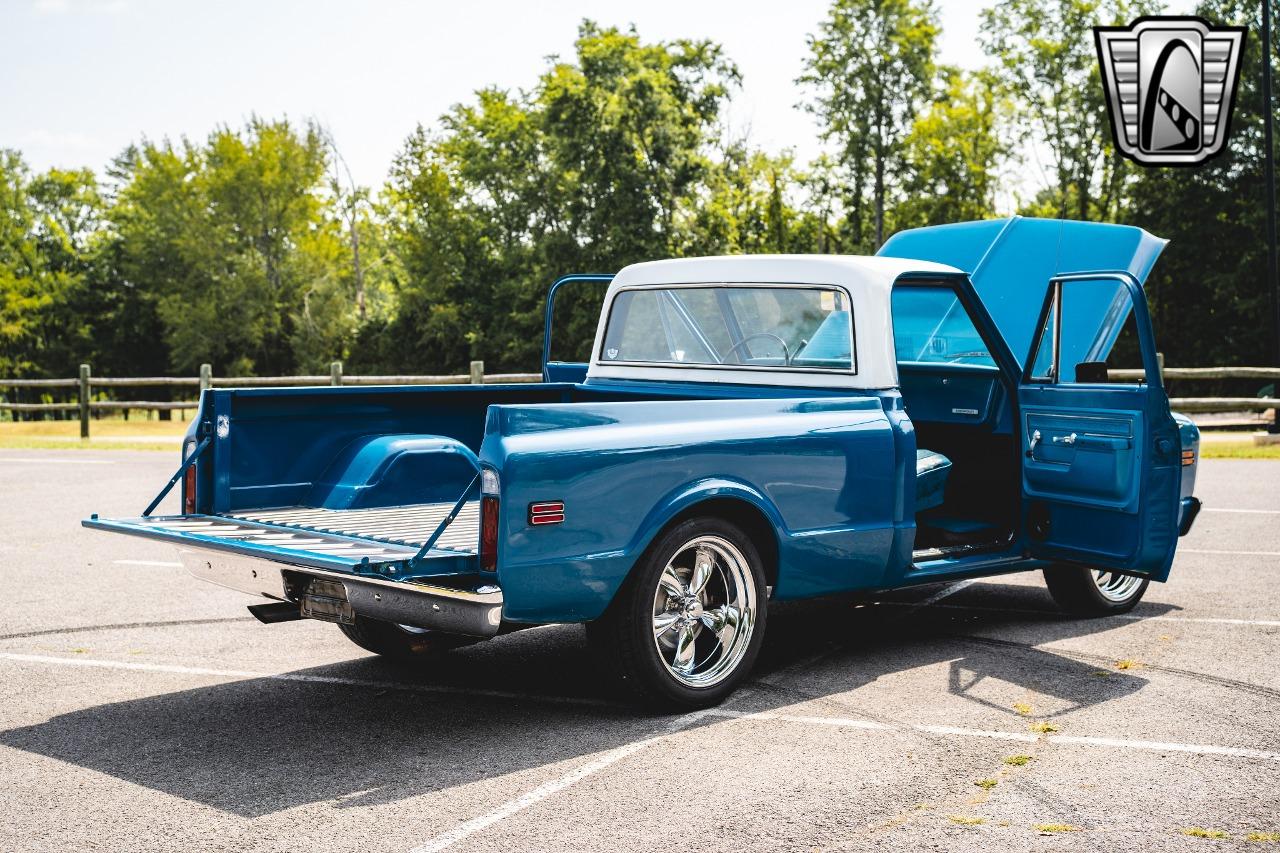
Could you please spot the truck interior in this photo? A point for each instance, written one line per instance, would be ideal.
(967, 479)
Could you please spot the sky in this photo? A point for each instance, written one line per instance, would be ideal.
(81, 79)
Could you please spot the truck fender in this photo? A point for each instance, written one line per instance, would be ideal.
(680, 500)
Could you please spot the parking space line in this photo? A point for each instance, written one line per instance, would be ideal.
(33, 461)
(1021, 737)
(1234, 553)
(1230, 509)
(1057, 614)
(839, 722)
(537, 795)
(609, 758)
(547, 789)
(1159, 746)
(240, 674)
(1208, 620)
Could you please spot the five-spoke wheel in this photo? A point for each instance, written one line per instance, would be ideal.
(1085, 591)
(703, 611)
(687, 626)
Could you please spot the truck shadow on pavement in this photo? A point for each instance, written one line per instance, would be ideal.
(262, 745)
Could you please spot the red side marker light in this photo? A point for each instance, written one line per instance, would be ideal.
(546, 512)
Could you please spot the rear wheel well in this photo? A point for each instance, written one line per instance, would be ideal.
(754, 523)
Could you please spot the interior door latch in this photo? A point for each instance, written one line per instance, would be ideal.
(1035, 439)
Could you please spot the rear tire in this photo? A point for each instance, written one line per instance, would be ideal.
(686, 627)
(1082, 591)
(400, 642)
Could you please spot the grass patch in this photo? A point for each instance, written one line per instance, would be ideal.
(1044, 728)
(1101, 673)
(107, 428)
(1051, 828)
(106, 434)
(1017, 760)
(1022, 708)
(92, 444)
(1263, 836)
(1238, 450)
(1127, 663)
(987, 784)
(1198, 832)
(966, 821)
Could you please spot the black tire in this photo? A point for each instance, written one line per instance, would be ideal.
(625, 637)
(399, 643)
(1077, 592)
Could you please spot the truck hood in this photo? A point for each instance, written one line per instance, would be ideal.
(1010, 262)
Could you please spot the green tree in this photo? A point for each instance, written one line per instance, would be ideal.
(953, 154)
(1046, 61)
(598, 165)
(1210, 292)
(234, 238)
(21, 296)
(870, 67)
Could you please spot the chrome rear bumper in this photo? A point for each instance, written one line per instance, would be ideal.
(476, 613)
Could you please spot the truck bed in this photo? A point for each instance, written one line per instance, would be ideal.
(401, 525)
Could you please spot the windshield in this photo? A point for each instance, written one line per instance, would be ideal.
(788, 327)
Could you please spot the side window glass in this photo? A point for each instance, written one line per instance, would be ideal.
(1043, 367)
(1089, 334)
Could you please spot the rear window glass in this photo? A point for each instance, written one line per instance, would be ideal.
(930, 325)
(774, 327)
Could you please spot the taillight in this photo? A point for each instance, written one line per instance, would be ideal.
(490, 488)
(489, 533)
(189, 479)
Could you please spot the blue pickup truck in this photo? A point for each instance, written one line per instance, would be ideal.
(745, 430)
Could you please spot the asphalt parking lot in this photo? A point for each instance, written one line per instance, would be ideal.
(144, 711)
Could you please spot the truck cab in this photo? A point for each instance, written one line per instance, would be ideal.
(743, 430)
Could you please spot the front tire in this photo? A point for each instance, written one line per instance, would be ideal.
(1082, 591)
(401, 642)
(687, 625)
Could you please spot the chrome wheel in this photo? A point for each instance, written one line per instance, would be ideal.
(1115, 586)
(704, 611)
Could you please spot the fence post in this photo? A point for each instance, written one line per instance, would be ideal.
(84, 401)
(477, 373)
(335, 373)
(1160, 365)
(206, 378)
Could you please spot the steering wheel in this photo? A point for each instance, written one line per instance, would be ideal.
(786, 351)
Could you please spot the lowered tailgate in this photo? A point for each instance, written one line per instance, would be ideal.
(379, 558)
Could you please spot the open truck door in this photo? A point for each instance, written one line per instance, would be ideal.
(1101, 470)
(1101, 461)
(568, 334)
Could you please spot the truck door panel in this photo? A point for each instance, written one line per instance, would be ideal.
(1100, 472)
(1085, 457)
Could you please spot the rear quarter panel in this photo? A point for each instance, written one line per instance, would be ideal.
(823, 472)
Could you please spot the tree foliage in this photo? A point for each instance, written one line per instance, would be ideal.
(254, 250)
(871, 66)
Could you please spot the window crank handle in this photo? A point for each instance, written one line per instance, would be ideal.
(1035, 439)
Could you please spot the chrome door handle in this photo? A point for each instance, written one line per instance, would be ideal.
(1068, 440)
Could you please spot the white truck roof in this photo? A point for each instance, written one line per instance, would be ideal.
(867, 280)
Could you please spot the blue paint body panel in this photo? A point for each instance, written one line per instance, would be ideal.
(827, 476)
